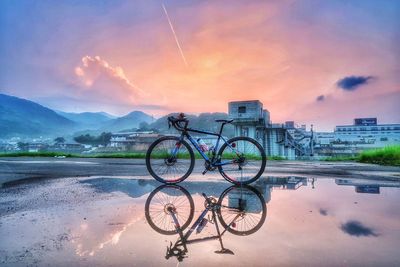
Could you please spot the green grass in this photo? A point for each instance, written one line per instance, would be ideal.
(385, 156)
(389, 155)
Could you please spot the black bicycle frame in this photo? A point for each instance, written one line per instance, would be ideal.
(185, 133)
(184, 238)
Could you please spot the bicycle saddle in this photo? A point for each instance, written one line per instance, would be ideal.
(224, 121)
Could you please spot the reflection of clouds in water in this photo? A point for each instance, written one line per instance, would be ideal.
(356, 228)
(93, 237)
(323, 212)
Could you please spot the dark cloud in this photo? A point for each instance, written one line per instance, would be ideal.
(323, 212)
(351, 83)
(356, 228)
(320, 98)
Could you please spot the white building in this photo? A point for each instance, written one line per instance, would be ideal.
(368, 131)
(134, 141)
(364, 133)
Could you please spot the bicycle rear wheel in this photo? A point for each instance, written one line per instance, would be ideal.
(163, 201)
(244, 160)
(241, 210)
(170, 160)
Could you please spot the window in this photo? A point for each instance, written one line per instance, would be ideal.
(242, 109)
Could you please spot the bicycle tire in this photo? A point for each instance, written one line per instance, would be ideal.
(153, 172)
(261, 154)
(227, 225)
(147, 209)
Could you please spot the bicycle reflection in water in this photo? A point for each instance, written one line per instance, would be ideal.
(169, 209)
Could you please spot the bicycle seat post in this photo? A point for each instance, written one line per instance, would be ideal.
(222, 127)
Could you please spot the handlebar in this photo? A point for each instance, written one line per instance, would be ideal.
(177, 122)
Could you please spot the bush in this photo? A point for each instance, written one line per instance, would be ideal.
(389, 155)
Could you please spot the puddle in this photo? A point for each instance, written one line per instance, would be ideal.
(289, 221)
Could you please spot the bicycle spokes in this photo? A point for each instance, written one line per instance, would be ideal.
(242, 210)
(243, 160)
(169, 207)
(169, 160)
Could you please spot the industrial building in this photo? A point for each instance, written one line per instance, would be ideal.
(282, 140)
(291, 141)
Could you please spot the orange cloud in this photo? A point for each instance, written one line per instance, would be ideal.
(264, 50)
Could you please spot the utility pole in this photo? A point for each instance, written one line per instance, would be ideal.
(312, 141)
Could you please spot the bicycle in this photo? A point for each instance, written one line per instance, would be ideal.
(170, 159)
(169, 209)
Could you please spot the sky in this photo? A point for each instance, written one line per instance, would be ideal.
(315, 62)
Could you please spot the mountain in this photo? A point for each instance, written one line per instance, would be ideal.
(88, 120)
(129, 121)
(108, 115)
(21, 117)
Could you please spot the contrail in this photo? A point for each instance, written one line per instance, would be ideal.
(176, 37)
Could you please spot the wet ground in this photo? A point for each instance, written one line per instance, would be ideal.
(25, 168)
(297, 214)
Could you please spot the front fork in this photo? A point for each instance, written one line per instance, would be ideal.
(178, 145)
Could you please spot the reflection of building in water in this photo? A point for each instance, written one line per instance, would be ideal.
(367, 186)
(245, 199)
(266, 185)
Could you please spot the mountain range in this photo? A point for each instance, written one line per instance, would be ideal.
(24, 118)
(20, 117)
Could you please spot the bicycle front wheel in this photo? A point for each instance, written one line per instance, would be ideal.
(242, 160)
(170, 160)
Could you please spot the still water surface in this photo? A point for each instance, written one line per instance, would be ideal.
(283, 221)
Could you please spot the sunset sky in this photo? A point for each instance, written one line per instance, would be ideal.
(320, 62)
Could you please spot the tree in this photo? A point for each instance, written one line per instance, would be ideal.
(103, 139)
(143, 126)
(59, 140)
(22, 145)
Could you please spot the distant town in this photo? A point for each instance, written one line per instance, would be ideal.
(286, 140)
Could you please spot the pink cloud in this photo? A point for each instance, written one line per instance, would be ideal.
(97, 76)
